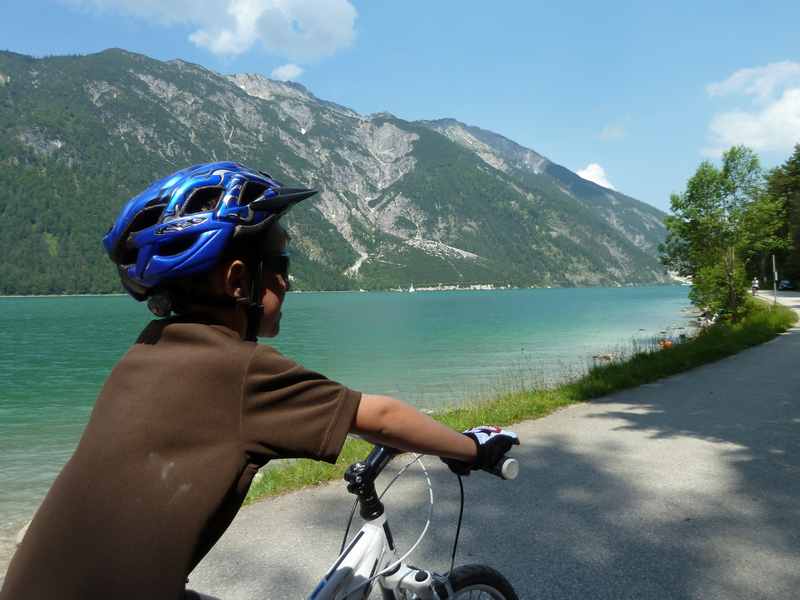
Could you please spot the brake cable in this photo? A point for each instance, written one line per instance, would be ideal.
(458, 527)
(386, 489)
(391, 566)
(403, 470)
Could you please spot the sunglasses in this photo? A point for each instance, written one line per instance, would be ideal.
(277, 263)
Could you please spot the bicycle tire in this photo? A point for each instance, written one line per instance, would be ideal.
(479, 581)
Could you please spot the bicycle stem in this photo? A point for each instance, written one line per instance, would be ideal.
(360, 478)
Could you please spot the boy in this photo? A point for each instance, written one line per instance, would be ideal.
(196, 407)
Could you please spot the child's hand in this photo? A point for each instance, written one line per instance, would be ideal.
(492, 444)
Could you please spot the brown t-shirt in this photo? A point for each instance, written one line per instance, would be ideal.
(181, 426)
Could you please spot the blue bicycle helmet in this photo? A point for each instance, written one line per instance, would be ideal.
(182, 224)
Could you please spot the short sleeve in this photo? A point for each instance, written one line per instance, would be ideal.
(291, 412)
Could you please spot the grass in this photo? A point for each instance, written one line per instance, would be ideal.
(642, 364)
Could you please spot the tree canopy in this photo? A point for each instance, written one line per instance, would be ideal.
(721, 228)
(783, 187)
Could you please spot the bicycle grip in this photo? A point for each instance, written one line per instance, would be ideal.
(507, 468)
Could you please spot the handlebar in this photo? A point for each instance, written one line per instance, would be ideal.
(361, 477)
(507, 468)
(380, 456)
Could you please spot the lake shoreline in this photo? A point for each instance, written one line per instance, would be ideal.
(642, 366)
(478, 287)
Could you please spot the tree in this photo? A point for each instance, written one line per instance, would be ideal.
(763, 231)
(783, 187)
(694, 229)
(719, 224)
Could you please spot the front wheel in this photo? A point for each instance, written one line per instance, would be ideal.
(479, 582)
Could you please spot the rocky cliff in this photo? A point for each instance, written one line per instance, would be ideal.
(428, 202)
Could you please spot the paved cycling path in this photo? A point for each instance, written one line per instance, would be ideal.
(684, 488)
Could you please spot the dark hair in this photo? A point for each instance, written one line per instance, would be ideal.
(180, 295)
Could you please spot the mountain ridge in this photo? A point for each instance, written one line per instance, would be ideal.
(400, 201)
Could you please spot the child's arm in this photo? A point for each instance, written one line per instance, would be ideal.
(391, 422)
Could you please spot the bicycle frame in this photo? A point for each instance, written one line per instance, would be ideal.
(370, 551)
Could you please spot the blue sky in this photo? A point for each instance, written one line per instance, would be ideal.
(632, 92)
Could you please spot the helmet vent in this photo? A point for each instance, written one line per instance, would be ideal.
(127, 252)
(203, 200)
(177, 246)
(251, 191)
(146, 218)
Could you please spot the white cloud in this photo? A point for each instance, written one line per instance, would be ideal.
(288, 72)
(768, 118)
(301, 30)
(596, 174)
(776, 127)
(760, 82)
(612, 132)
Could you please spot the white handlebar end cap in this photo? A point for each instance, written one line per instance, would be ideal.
(510, 469)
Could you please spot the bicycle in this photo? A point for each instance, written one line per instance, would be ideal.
(371, 556)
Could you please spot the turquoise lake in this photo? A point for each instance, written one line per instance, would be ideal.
(432, 349)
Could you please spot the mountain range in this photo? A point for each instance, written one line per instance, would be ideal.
(401, 202)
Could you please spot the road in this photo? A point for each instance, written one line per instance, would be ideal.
(687, 488)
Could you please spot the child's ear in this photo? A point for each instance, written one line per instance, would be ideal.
(236, 279)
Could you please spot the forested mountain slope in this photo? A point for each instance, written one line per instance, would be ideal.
(425, 202)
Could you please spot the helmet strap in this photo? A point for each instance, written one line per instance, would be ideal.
(254, 309)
